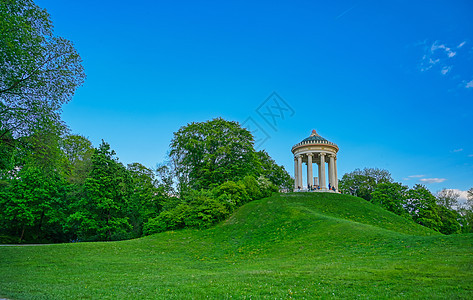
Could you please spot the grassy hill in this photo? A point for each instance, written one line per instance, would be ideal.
(297, 245)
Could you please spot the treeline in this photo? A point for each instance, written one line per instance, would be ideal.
(56, 187)
(61, 189)
(441, 212)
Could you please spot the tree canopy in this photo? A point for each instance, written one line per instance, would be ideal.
(207, 154)
(362, 183)
(38, 70)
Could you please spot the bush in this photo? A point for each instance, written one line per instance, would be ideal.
(252, 187)
(235, 191)
(200, 211)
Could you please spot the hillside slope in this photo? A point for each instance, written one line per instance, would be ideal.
(286, 246)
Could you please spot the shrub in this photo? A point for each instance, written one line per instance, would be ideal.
(200, 210)
(235, 191)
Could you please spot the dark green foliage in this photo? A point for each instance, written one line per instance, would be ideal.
(101, 213)
(32, 201)
(449, 219)
(200, 210)
(145, 200)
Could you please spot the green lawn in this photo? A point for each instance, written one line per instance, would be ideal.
(287, 246)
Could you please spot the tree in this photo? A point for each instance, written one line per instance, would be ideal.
(146, 198)
(165, 178)
(102, 213)
(391, 196)
(273, 172)
(32, 204)
(422, 207)
(361, 183)
(447, 198)
(207, 154)
(78, 152)
(449, 220)
(466, 213)
(38, 70)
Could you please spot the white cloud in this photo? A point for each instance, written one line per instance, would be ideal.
(446, 49)
(413, 176)
(432, 180)
(469, 84)
(470, 155)
(445, 70)
(461, 44)
(458, 150)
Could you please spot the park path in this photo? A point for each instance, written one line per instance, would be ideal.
(21, 245)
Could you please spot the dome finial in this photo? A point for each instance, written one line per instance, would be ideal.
(314, 133)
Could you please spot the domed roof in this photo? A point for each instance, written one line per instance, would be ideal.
(314, 137)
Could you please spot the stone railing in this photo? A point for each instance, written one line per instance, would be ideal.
(313, 143)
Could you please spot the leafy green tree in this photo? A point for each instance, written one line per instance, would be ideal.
(207, 154)
(146, 198)
(78, 152)
(391, 196)
(422, 207)
(102, 213)
(362, 183)
(449, 220)
(38, 70)
(33, 204)
(275, 173)
(165, 178)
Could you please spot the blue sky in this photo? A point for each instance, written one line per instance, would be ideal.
(390, 82)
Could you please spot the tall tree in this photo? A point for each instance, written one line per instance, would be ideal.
(102, 212)
(209, 153)
(78, 152)
(146, 198)
(273, 172)
(422, 206)
(32, 204)
(38, 70)
(362, 183)
(391, 196)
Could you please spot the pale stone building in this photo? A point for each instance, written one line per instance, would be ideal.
(315, 149)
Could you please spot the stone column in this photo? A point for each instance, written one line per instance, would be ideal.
(296, 180)
(331, 170)
(309, 169)
(322, 171)
(336, 175)
(299, 171)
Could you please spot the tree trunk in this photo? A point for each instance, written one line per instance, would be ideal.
(22, 233)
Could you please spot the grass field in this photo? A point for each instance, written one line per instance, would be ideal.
(299, 245)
